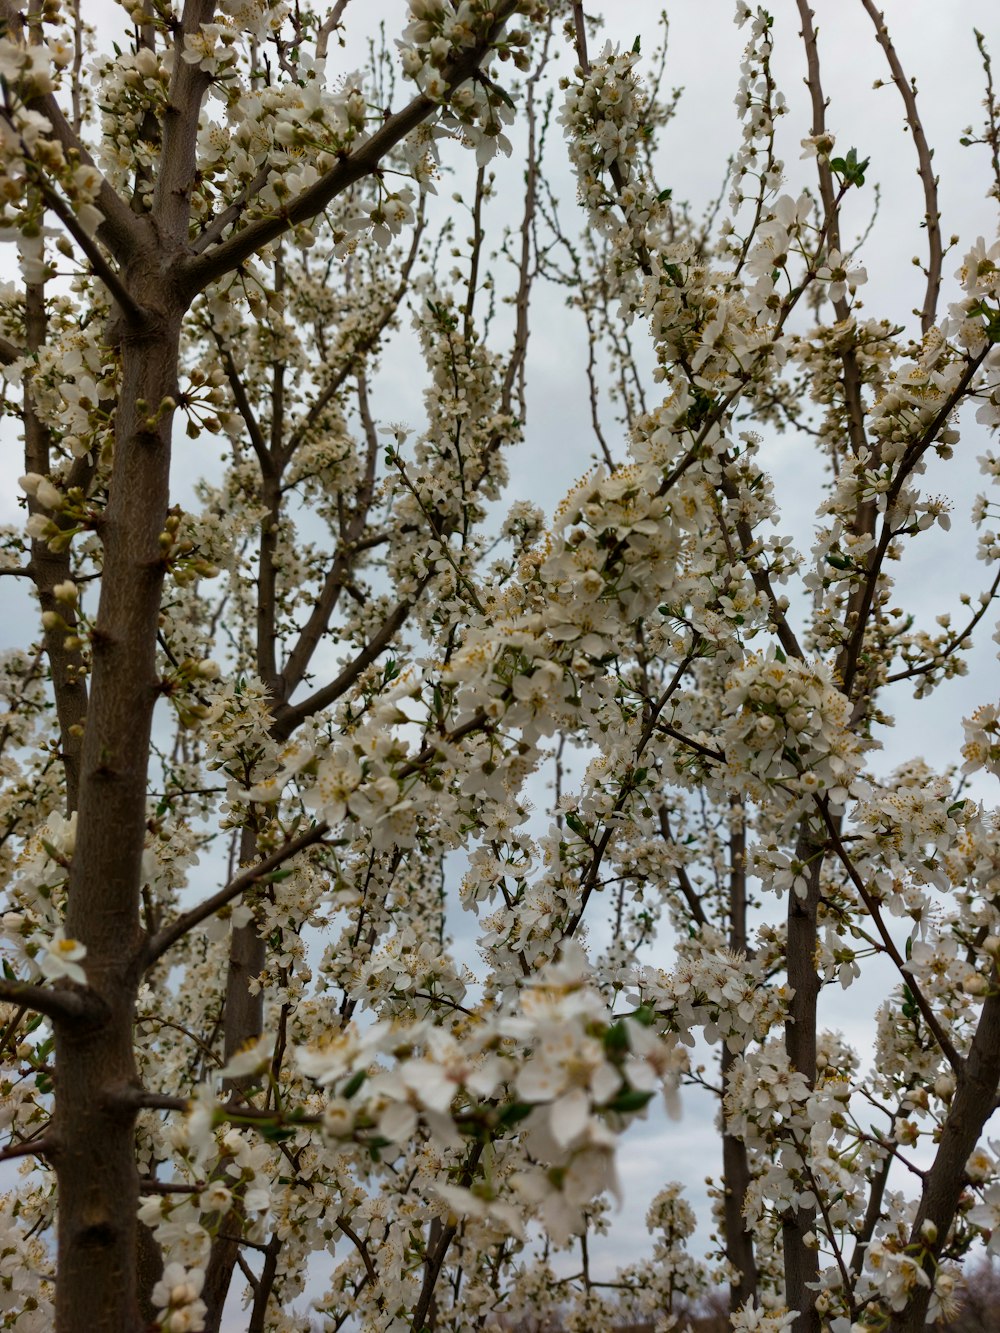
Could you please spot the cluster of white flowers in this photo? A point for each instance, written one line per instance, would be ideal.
(177, 1297)
(722, 993)
(559, 1072)
(789, 728)
(433, 44)
(602, 119)
(982, 740)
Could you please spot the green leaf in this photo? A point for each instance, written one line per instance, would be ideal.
(850, 168)
(629, 1101)
(514, 1113)
(577, 825)
(273, 1133)
(616, 1037)
(354, 1083)
(637, 46)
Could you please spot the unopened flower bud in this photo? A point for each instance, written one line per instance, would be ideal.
(976, 985)
(338, 1119)
(49, 496)
(944, 1086)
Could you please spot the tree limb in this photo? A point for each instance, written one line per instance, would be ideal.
(288, 716)
(196, 274)
(29, 1148)
(925, 169)
(167, 937)
(77, 1007)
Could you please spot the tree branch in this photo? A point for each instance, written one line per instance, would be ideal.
(29, 1148)
(288, 716)
(102, 269)
(9, 353)
(195, 274)
(329, 26)
(77, 1007)
(121, 231)
(925, 170)
(167, 937)
(929, 1017)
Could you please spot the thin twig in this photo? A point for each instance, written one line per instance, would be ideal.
(925, 170)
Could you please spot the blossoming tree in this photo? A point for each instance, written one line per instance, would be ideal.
(278, 723)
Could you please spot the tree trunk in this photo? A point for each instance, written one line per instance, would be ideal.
(94, 1124)
(974, 1102)
(735, 1161)
(801, 1260)
(736, 1182)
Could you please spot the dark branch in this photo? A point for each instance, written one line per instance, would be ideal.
(167, 937)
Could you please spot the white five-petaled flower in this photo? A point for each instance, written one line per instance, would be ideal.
(841, 279)
(61, 958)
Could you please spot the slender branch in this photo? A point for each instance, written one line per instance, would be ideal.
(683, 878)
(330, 25)
(214, 230)
(525, 273)
(435, 1261)
(233, 1112)
(850, 655)
(930, 1018)
(243, 404)
(361, 1248)
(29, 1148)
(364, 344)
(706, 750)
(651, 724)
(925, 170)
(150, 1185)
(288, 716)
(121, 231)
(90, 247)
(167, 937)
(873, 1214)
(954, 643)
